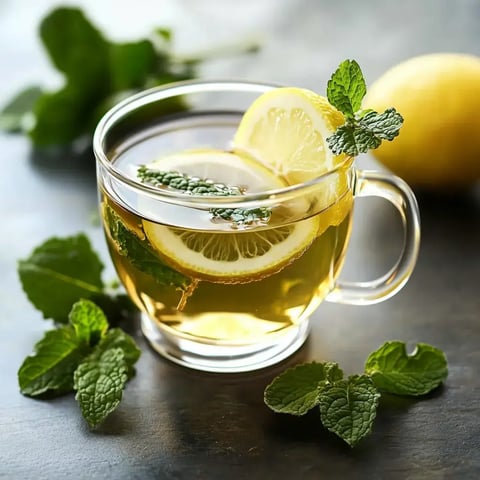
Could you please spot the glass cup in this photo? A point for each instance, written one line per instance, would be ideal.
(214, 295)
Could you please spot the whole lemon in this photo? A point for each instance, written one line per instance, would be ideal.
(439, 97)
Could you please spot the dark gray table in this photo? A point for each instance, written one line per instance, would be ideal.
(175, 423)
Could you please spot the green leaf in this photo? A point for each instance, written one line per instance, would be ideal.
(14, 116)
(348, 407)
(58, 273)
(79, 51)
(139, 254)
(89, 322)
(297, 390)
(352, 140)
(99, 384)
(76, 48)
(385, 126)
(117, 338)
(51, 368)
(131, 64)
(393, 371)
(61, 117)
(346, 88)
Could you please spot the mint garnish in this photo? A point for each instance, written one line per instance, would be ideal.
(363, 129)
(85, 357)
(393, 371)
(348, 407)
(82, 354)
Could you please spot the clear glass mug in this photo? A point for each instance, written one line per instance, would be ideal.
(213, 296)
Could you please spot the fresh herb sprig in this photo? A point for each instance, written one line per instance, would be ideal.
(62, 278)
(363, 129)
(203, 186)
(97, 73)
(348, 406)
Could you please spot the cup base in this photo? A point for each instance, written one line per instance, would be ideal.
(210, 357)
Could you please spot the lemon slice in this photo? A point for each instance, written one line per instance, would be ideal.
(286, 129)
(231, 256)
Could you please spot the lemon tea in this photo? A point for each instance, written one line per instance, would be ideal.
(226, 250)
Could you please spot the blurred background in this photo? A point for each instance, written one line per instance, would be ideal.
(302, 41)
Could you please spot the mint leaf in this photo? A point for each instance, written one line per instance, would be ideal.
(75, 46)
(393, 371)
(89, 322)
(346, 88)
(60, 117)
(297, 390)
(99, 383)
(130, 64)
(139, 254)
(363, 129)
(58, 273)
(117, 338)
(348, 407)
(51, 368)
(14, 115)
(384, 126)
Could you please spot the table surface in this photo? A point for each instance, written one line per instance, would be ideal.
(175, 423)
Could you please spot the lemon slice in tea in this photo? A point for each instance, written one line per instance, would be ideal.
(286, 130)
(232, 256)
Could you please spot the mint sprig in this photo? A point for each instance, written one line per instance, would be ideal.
(84, 357)
(62, 278)
(363, 129)
(348, 407)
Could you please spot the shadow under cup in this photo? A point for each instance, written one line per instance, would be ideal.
(216, 296)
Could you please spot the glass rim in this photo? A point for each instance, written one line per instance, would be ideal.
(162, 92)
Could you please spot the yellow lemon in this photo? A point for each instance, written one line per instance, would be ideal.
(439, 97)
(286, 129)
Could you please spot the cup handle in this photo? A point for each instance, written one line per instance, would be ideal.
(396, 191)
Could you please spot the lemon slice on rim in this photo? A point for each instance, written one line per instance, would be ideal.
(286, 129)
(233, 256)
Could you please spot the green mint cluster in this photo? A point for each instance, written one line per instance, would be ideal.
(363, 129)
(62, 278)
(348, 406)
(97, 74)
